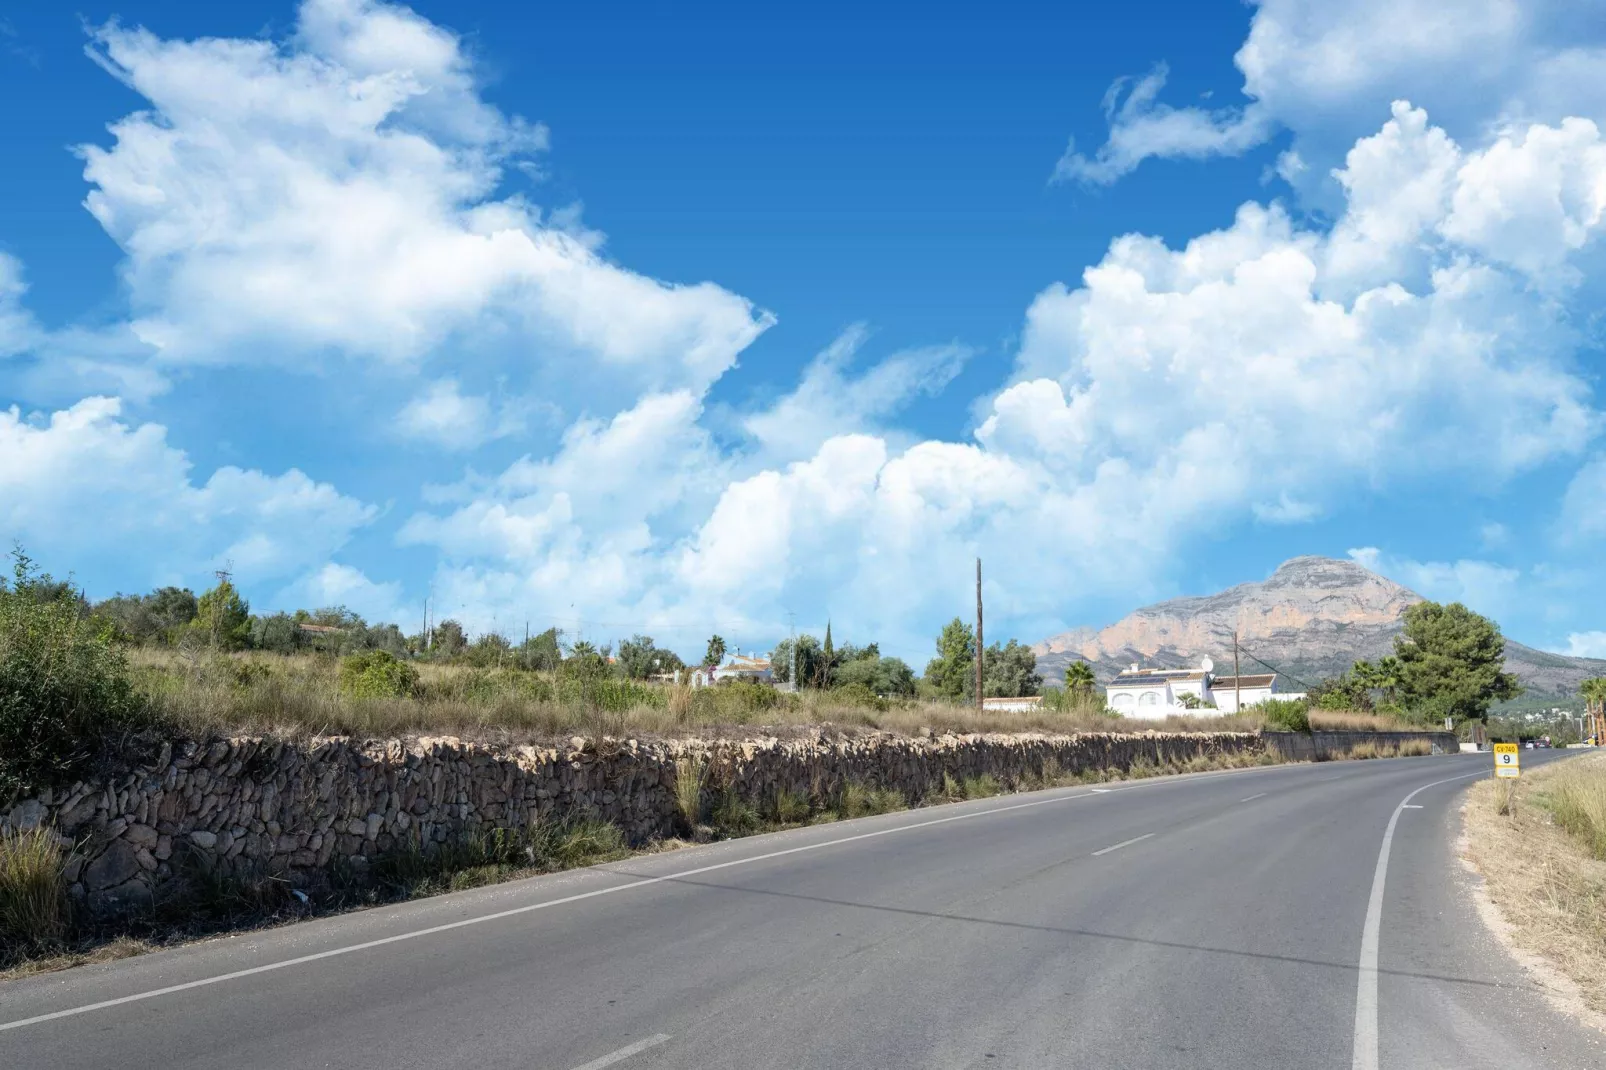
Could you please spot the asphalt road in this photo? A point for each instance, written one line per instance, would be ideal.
(1216, 920)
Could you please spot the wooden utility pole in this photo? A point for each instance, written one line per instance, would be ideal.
(980, 704)
(1237, 683)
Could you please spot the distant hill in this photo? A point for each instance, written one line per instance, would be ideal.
(1311, 619)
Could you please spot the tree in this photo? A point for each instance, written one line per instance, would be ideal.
(222, 618)
(1079, 678)
(1594, 692)
(951, 671)
(543, 651)
(1010, 671)
(149, 618)
(716, 651)
(886, 677)
(1451, 662)
(447, 639)
(809, 660)
(639, 658)
(278, 632)
(490, 651)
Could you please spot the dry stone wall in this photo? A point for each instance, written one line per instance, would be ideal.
(254, 805)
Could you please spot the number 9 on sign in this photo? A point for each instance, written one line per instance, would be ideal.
(1505, 760)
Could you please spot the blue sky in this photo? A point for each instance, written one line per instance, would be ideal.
(640, 320)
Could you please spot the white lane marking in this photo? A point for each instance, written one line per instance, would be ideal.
(1366, 1040)
(1252, 798)
(625, 1052)
(1413, 806)
(1123, 843)
(335, 952)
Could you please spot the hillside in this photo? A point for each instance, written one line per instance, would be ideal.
(1311, 619)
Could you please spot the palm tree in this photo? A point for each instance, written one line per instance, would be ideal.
(1594, 692)
(1079, 678)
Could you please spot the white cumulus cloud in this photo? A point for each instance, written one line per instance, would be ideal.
(86, 489)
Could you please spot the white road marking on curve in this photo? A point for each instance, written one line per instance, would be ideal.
(1252, 798)
(1365, 1054)
(625, 1052)
(1123, 843)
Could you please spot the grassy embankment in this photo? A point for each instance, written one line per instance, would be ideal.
(1544, 861)
(298, 696)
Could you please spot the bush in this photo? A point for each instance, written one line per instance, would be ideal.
(377, 674)
(66, 696)
(1287, 715)
(860, 695)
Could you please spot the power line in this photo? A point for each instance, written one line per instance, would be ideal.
(1280, 672)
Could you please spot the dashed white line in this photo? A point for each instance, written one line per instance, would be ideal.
(1100, 791)
(1123, 843)
(1252, 798)
(625, 1052)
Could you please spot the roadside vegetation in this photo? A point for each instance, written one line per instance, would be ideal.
(1543, 858)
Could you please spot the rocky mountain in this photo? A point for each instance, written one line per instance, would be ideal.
(1311, 619)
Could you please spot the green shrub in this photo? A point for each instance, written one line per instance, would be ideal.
(1286, 715)
(66, 696)
(377, 674)
(735, 816)
(791, 807)
(858, 694)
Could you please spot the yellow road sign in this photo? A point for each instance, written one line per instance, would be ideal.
(1505, 760)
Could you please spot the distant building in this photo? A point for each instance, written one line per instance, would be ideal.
(735, 667)
(1159, 693)
(1024, 704)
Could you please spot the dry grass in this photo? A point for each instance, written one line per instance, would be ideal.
(299, 696)
(1369, 749)
(1538, 866)
(33, 892)
(1359, 721)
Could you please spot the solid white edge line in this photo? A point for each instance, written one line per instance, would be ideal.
(1365, 1052)
(1123, 843)
(1252, 798)
(335, 952)
(625, 1052)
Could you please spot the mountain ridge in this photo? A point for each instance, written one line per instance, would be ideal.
(1309, 620)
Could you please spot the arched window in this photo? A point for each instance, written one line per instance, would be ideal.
(1149, 698)
(1122, 700)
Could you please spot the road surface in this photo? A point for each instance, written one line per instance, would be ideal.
(1217, 920)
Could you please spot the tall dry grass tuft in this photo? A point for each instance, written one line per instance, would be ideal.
(690, 774)
(33, 890)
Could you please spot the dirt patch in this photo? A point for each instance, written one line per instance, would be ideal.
(1541, 893)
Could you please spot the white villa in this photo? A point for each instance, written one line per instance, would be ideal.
(1158, 693)
(734, 667)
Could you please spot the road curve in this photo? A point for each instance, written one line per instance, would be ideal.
(1215, 920)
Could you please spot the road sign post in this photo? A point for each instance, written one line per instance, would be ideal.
(1508, 767)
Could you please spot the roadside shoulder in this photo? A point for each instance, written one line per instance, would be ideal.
(1537, 890)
